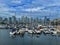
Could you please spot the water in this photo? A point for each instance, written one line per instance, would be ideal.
(27, 39)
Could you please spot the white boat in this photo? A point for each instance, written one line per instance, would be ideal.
(53, 31)
(41, 29)
(21, 31)
(12, 33)
(26, 30)
(37, 31)
(30, 31)
(46, 31)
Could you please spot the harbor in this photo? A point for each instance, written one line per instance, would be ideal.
(29, 31)
(52, 31)
(30, 25)
(30, 35)
(28, 39)
(29, 22)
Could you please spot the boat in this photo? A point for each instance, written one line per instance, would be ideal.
(46, 31)
(12, 33)
(21, 31)
(37, 31)
(53, 31)
(30, 31)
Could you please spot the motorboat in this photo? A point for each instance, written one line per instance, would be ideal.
(37, 31)
(13, 33)
(53, 31)
(46, 31)
(30, 31)
(21, 31)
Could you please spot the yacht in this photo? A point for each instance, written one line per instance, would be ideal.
(53, 31)
(37, 31)
(13, 32)
(46, 31)
(30, 31)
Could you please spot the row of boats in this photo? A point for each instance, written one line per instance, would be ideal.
(52, 31)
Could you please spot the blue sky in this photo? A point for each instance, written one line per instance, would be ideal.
(34, 8)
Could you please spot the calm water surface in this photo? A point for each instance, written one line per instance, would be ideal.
(27, 39)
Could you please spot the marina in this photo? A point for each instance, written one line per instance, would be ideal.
(39, 29)
(29, 22)
(49, 31)
(28, 39)
(29, 33)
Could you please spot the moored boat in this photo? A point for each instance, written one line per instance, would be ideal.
(46, 31)
(53, 31)
(37, 31)
(30, 31)
(21, 31)
(13, 32)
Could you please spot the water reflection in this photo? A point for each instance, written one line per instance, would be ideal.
(12, 36)
(28, 39)
(21, 35)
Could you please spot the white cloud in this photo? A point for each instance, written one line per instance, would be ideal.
(16, 1)
(4, 10)
(54, 4)
(33, 9)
